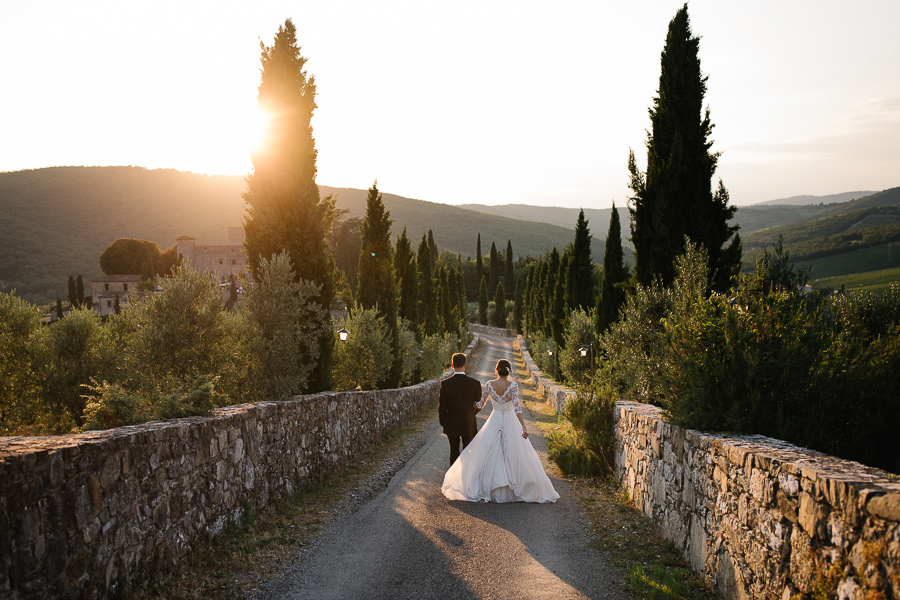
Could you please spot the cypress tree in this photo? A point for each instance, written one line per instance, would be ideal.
(500, 306)
(405, 271)
(479, 262)
(558, 304)
(509, 276)
(73, 297)
(59, 309)
(448, 321)
(432, 246)
(463, 306)
(517, 307)
(613, 278)
(284, 210)
(427, 307)
(546, 297)
(116, 307)
(375, 279)
(483, 301)
(674, 199)
(580, 271)
(494, 268)
(79, 291)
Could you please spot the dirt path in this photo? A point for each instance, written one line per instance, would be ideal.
(411, 542)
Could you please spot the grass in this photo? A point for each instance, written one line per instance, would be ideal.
(259, 547)
(873, 281)
(651, 567)
(884, 257)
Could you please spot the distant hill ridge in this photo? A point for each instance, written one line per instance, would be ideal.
(56, 222)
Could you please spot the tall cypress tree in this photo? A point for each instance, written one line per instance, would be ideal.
(483, 301)
(546, 298)
(461, 286)
(494, 268)
(427, 308)
(509, 276)
(613, 278)
(517, 307)
(479, 262)
(674, 199)
(580, 271)
(73, 296)
(376, 284)
(432, 246)
(405, 271)
(79, 290)
(500, 306)
(284, 210)
(558, 303)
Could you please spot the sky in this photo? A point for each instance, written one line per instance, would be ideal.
(472, 101)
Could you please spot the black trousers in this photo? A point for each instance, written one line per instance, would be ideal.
(454, 445)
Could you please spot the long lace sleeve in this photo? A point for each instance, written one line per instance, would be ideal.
(515, 399)
(485, 394)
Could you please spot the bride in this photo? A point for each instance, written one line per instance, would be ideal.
(500, 464)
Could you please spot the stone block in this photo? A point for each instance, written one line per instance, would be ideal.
(885, 506)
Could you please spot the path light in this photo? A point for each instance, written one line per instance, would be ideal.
(583, 350)
(343, 334)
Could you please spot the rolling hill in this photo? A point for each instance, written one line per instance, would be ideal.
(56, 222)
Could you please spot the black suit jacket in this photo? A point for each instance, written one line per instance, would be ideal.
(456, 410)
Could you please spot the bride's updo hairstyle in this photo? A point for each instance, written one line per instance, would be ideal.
(503, 367)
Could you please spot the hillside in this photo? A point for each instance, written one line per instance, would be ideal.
(845, 238)
(807, 200)
(56, 222)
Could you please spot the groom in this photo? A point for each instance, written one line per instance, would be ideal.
(456, 409)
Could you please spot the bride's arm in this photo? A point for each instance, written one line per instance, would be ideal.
(485, 394)
(518, 411)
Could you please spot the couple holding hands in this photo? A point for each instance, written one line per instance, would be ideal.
(498, 463)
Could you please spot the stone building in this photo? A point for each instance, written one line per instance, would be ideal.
(105, 289)
(226, 261)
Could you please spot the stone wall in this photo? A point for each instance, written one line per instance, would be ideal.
(83, 515)
(557, 395)
(487, 330)
(760, 518)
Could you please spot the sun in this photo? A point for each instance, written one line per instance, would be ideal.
(255, 130)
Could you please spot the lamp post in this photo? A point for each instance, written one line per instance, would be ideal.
(343, 334)
(584, 352)
(550, 352)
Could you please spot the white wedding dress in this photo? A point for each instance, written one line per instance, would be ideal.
(499, 465)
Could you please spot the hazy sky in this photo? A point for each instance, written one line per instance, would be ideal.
(477, 101)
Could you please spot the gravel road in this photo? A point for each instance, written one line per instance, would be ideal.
(411, 542)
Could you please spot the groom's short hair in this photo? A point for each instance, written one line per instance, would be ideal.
(458, 360)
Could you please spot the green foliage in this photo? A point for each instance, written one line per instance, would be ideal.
(407, 281)
(284, 328)
(284, 210)
(494, 268)
(427, 307)
(409, 353)
(509, 274)
(580, 269)
(22, 360)
(181, 333)
(673, 199)
(360, 361)
(768, 360)
(110, 405)
(74, 359)
(613, 279)
(377, 287)
(198, 400)
(499, 316)
(579, 333)
(483, 301)
(436, 353)
(589, 447)
(127, 256)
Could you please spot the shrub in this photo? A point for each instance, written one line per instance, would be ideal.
(360, 361)
(579, 334)
(409, 353)
(436, 352)
(110, 405)
(284, 326)
(22, 356)
(197, 401)
(589, 447)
